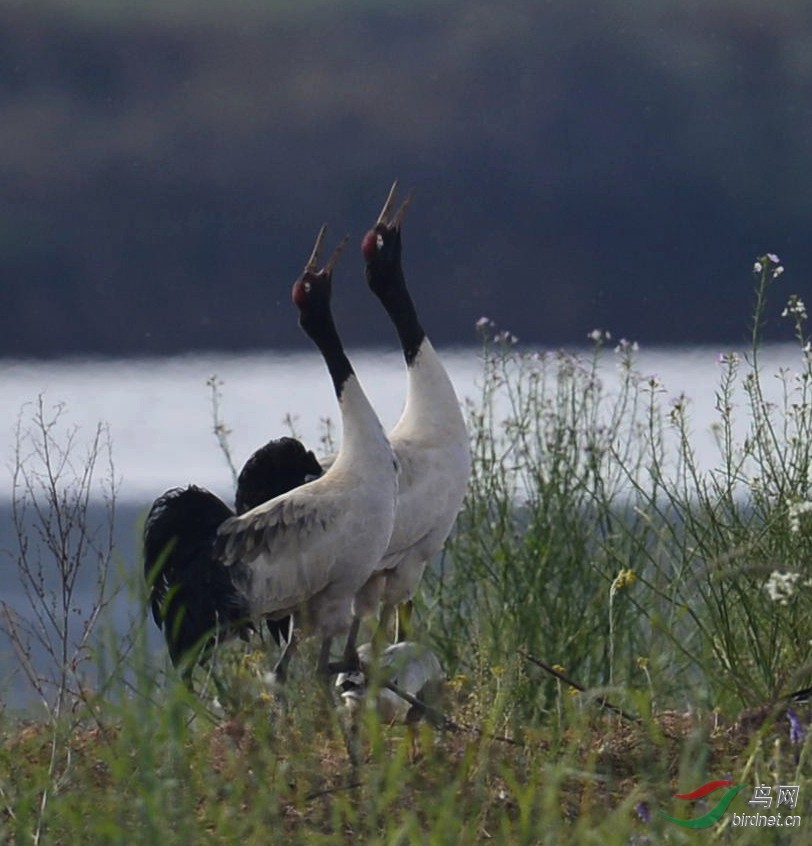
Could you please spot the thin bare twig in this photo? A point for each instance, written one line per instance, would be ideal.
(439, 719)
(329, 791)
(220, 429)
(602, 701)
(52, 497)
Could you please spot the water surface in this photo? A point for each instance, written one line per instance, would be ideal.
(160, 418)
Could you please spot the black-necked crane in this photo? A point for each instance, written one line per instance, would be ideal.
(403, 684)
(403, 668)
(306, 553)
(430, 438)
(193, 597)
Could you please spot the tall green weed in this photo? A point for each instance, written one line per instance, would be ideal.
(593, 538)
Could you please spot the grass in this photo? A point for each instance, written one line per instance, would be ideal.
(676, 597)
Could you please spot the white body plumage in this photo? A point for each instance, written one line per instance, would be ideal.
(307, 552)
(411, 667)
(431, 443)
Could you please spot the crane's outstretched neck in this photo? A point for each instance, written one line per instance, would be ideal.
(397, 301)
(322, 331)
(362, 434)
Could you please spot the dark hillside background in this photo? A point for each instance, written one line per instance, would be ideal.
(165, 166)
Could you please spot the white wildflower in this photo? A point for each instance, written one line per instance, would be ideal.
(773, 265)
(625, 345)
(781, 586)
(506, 338)
(795, 308)
(796, 510)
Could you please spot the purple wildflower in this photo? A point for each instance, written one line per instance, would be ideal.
(797, 732)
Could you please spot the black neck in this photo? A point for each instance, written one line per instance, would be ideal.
(321, 329)
(399, 306)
